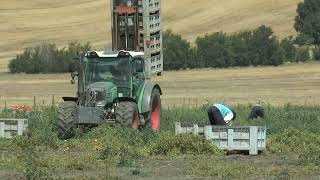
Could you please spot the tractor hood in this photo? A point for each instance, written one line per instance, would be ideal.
(100, 93)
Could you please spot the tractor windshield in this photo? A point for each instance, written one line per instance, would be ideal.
(114, 70)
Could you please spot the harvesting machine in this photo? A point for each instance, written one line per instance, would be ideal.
(115, 86)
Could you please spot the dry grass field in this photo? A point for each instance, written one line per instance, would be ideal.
(295, 83)
(26, 23)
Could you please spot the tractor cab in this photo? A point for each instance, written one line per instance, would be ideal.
(123, 69)
(111, 75)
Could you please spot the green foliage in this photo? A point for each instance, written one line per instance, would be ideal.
(257, 47)
(303, 39)
(219, 50)
(302, 55)
(317, 53)
(46, 58)
(308, 19)
(187, 116)
(176, 52)
(31, 158)
(121, 145)
(184, 144)
(279, 118)
(287, 44)
(297, 141)
(8, 113)
(43, 131)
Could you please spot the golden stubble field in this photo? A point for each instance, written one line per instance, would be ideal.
(26, 23)
(295, 83)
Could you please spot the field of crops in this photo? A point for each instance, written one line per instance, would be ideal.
(106, 152)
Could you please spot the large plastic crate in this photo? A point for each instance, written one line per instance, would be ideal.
(247, 138)
(12, 127)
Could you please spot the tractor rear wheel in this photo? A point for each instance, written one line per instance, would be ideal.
(127, 114)
(66, 119)
(155, 110)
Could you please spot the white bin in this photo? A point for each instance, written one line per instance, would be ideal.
(12, 127)
(247, 138)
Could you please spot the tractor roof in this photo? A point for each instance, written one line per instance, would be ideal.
(110, 54)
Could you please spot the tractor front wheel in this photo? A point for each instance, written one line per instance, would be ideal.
(66, 119)
(127, 114)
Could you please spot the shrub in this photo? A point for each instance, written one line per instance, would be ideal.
(184, 144)
(176, 51)
(122, 145)
(257, 47)
(46, 58)
(317, 53)
(302, 55)
(287, 44)
(297, 141)
(303, 39)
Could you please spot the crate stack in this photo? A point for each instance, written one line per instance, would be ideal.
(136, 26)
(150, 33)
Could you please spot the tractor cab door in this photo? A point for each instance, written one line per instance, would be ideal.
(137, 74)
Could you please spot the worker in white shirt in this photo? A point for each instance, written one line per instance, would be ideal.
(220, 115)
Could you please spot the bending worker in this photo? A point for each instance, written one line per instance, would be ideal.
(257, 111)
(220, 115)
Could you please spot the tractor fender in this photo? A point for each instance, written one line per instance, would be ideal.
(144, 102)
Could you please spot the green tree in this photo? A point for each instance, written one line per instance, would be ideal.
(287, 44)
(176, 52)
(308, 19)
(302, 55)
(212, 49)
(317, 53)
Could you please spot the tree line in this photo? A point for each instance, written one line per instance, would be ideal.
(46, 58)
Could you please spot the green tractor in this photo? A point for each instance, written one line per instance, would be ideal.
(112, 88)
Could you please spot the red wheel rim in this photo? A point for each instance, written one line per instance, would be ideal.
(155, 115)
(134, 123)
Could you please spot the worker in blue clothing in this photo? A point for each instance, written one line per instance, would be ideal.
(220, 115)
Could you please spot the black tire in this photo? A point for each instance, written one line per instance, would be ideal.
(127, 115)
(155, 110)
(66, 119)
